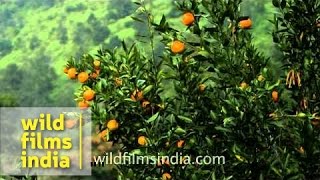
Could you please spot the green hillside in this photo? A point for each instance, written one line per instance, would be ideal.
(47, 33)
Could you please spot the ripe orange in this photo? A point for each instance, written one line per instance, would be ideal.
(275, 96)
(202, 87)
(72, 73)
(188, 19)
(145, 104)
(83, 77)
(65, 70)
(83, 105)
(166, 176)
(180, 143)
(88, 95)
(70, 123)
(96, 64)
(112, 125)
(177, 47)
(142, 140)
(245, 24)
(137, 95)
(103, 135)
(118, 82)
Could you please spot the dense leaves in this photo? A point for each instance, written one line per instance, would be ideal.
(211, 93)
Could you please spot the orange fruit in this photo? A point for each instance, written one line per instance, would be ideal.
(166, 176)
(137, 95)
(88, 95)
(177, 47)
(163, 161)
(112, 125)
(72, 73)
(96, 64)
(65, 70)
(245, 24)
(118, 82)
(94, 75)
(70, 123)
(95, 140)
(202, 87)
(180, 143)
(188, 19)
(83, 105)
(243, 85)
(261, 78)
(142, 140)
(83, 77)
(103, 135)
(301, 150)
(145, 104)
(275, 96)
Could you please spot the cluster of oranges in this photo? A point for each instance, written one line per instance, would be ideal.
(274, 93)
(83, 77)
(73, 74)
(188, 19)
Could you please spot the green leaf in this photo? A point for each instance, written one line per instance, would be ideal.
(219, 128)
(153, 118)
(137, 19)
(209, 141)
(185, 119)
(213, 115)
(180, 131)
(136, 152)
(163, 21)
(147, 89)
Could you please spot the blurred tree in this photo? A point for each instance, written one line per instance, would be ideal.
(8, 100)
(11, 78)
(5, 47)
(63, 34)
(38, 82)
(99, 30)
(120, 10)
(34, 42)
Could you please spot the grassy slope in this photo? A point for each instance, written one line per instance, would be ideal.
(43, 23)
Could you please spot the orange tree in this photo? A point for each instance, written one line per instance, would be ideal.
(210, 95)
(297, 33)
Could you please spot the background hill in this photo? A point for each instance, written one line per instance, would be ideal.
(38, 36)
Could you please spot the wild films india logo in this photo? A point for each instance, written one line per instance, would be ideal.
(45, 141)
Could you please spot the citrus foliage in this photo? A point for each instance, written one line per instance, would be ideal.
(211, 94)
(297, 34)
